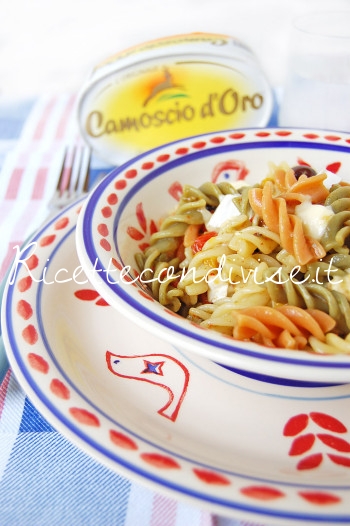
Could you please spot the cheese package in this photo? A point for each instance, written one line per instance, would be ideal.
(171, 88)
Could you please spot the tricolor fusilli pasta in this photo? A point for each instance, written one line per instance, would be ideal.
(275, 270)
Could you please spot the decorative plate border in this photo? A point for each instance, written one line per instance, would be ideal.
(65, 408)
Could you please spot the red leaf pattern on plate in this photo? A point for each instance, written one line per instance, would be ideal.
(217, 140)
(38, 363)
(295, 425)
(139, 234)
(340, 460)
(84, 417)
(332, 138)
(328, 422)
(302, 162)
(106, 211)
(130, 174)
(24, 309)
(160, 461)
(112, 199)
(283, 133)
(120, 184)
(61, 223)
(101, 302)
(117, 264)
(102, 229)
(210, 477)
(181, 151)
(262, 492)
(237, 135)
(320, 498)
(91, 295)
(163, 158)
(335, 442)
(310, 462)
(105, 245)
(333, 167)
(198, 145)
(143, 246)
(153, 227)
(262, 134)
(32, 262)
(30, 334)
(47, 240)
(147, 165)
(175, 190)
(59, 389)
(141, 217)
(24, 283)
(311, 136)
(302, 444)
(121, 440)
(134, 233)
(86, 294)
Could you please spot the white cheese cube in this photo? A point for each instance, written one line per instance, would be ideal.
(314, 218)
(226, 210)
(217, 289)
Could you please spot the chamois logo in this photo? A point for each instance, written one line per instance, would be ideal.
(164, 85)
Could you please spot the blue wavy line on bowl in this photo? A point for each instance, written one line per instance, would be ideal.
(96, 447)
(148, 313)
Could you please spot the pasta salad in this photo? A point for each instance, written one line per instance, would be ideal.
(267, 263)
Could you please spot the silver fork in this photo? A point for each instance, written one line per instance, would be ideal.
(74, 178)
(72, 183)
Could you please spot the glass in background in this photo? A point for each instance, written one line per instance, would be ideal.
(317, 89)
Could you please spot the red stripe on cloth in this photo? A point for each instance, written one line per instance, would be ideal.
(40, 128)
(62, 125)
(9, 257)
(14, 184)
(39, 184)
(207, 519)
(163, 511)
(3, 391)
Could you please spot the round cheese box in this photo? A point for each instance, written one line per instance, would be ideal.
(170, 88)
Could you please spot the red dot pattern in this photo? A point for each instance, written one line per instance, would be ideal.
(112, 199)
(120, 184)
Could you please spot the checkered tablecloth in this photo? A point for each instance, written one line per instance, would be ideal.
(45, 479)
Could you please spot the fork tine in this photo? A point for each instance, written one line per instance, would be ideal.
(73, 179)
(79, 176)
(66, 172)
(75, 172)
(84, 181)
(60, 178)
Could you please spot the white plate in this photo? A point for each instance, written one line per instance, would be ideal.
(243, 448)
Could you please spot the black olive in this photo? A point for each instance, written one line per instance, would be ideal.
(303, 170)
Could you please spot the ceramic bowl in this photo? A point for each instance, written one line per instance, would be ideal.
(121, 213)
